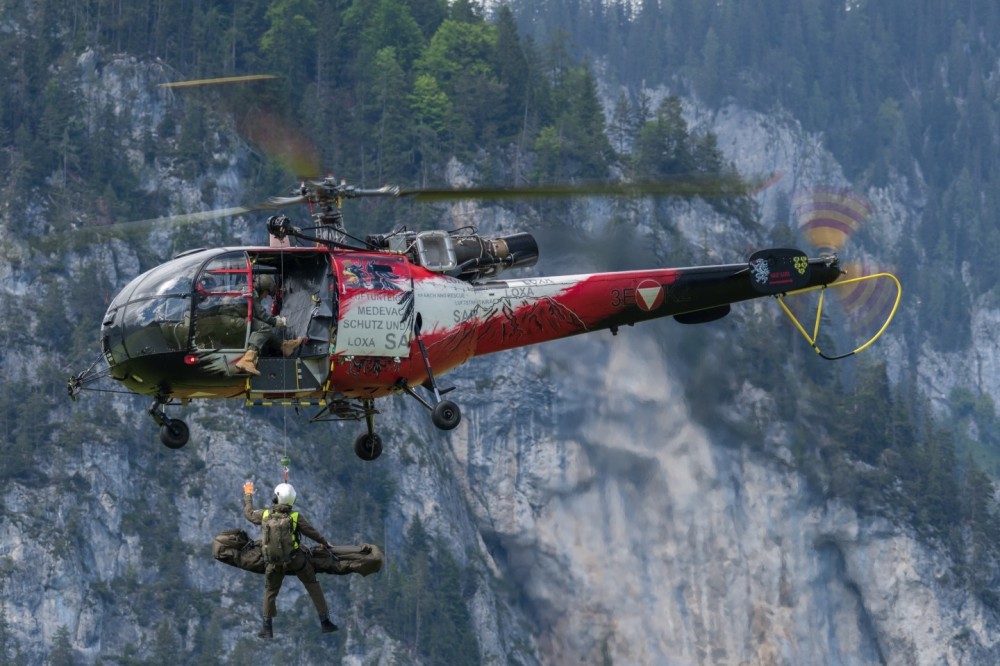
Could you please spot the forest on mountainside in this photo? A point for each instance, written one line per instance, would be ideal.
(389, 90)
(386, 91)
(898, 88)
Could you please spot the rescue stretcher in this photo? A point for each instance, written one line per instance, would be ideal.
(236, 548)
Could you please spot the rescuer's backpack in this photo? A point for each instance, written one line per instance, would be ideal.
(278, 540)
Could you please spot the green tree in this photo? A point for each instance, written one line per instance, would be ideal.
(662, 148)
(432, 111)
(288, 44)
(866, 431)
(428, 14)
(548, 147)
(423, 601)
(465, 11)
(62, 653)
(980, 512)
(938, 496)
(372, 25)
(460, 57)
(9, 645)
(510, 64)
(166, 648)
(597, 154)
(391, 117)
(620, 128)
(584, 149)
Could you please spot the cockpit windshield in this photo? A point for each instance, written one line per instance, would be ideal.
(203, 303)
(222, 303)
(153, 313)
(157, 307)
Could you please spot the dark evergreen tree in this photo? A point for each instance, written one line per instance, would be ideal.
(62, 653)
(586, 144)
(510, 64)
(459, 57)
(429, 14)
(390, 118)
(663, 148)
(620, 127)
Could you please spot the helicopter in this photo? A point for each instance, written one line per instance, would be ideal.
(390, 314)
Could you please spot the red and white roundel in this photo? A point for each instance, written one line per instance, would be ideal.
(649, 295)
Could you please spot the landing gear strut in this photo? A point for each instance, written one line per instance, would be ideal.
(444, 413)
(368, 445)
(174, 433)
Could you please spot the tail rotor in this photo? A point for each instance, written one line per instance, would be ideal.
(867, 295)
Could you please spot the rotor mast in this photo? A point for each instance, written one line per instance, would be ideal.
(325, 198)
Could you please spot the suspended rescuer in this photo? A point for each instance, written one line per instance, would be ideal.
(262, 327)
(281, 532)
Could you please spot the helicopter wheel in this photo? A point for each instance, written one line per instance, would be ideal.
(368, 446)
(174, 433)
(446, 415)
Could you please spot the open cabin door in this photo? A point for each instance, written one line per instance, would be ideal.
(306, 299)
(376, 305)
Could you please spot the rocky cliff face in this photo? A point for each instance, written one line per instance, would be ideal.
(636, 537)
(598, 520)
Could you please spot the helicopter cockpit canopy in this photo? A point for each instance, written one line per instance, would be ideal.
(201, 302)
(152, 315)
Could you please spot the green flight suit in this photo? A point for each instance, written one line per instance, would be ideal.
(300, 565)
(262, 333)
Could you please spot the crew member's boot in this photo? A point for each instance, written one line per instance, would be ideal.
(326, 625)
(265, 629)
(248, 363)
(288, 347)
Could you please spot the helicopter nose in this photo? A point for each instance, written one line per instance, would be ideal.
(112, 339)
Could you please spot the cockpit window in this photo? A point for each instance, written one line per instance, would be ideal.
(222, 303)
(226, 275)
(152, 315)
(174, 278)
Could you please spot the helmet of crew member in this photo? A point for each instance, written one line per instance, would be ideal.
(284, 494)
(264, 283)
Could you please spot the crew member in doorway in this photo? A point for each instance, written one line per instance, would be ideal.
(262, 333)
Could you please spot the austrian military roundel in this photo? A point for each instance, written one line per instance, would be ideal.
(649, 295)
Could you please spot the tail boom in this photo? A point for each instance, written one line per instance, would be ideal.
(525, 312)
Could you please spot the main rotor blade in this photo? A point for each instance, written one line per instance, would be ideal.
(218, 80)
(684, 187)
(96, 233)
(171, 220)
(328, 191)
(280, 202)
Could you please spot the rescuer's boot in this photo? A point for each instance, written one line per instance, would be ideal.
(248, 363)
(288, 347)
(326, 625)
(265, 629)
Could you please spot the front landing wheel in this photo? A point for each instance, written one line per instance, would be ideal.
(174, 433)
(446, 415)
(368, 446)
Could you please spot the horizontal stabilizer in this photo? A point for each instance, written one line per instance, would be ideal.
(703, 316)
(779, 270)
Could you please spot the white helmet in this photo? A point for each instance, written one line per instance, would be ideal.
(284, 494)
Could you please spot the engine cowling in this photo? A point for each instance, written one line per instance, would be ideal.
(467, 256)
